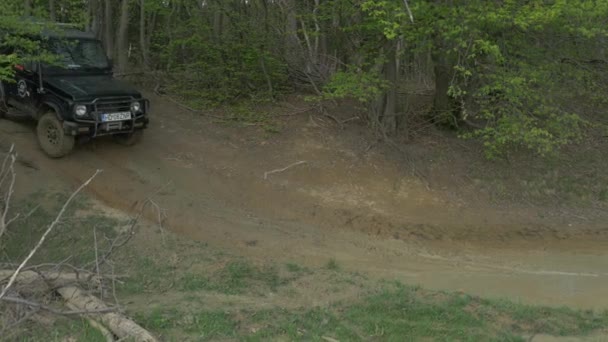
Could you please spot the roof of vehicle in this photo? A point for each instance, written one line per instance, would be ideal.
(60, 30)
(67, 33)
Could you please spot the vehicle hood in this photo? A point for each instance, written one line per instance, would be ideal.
(83, 87)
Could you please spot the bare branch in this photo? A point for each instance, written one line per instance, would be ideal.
(409, 11)
(283, 169)
(7, 172)
(9, 329)
(97, 261)
(161, 217)
(47, 232)
(119, 324)
(125, 237)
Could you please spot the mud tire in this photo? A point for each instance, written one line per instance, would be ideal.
(52, 138)
(129, 139)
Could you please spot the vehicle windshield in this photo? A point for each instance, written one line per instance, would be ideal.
(77, 54)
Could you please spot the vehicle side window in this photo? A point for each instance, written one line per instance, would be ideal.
(6, 50)
(30, 66)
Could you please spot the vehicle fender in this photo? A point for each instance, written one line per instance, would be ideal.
(59, 108)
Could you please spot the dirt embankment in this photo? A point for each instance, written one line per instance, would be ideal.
(344, 201)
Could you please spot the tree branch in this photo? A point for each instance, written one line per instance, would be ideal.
(46, 233)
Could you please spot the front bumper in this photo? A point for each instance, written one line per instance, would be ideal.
(92, 126)
(97, 129)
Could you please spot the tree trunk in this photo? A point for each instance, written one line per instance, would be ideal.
(444, 108)
(391, 74)
(151, 28)
(142, 33)
(52, 14)
(217, 25)
(27, 6)
(122, 39)
(108, 37)
(96, 17)
(441, 102)
(292, 42)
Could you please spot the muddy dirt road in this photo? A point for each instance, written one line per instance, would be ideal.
(343, 202)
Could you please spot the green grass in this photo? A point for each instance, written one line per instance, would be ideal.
(61, 330)
(554, 321)
(212, 324)
(146, 275)
(73, 237)
(297, 270)
(234, 278)
(394, 312)
(384, 310)
(603, 195)
(176, 325)
(390, 315)
(332, 265)
(159, 318)
(575, 177)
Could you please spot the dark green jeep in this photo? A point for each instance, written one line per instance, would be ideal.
(74, 97)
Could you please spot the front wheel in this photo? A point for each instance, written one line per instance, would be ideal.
(52, 138)
(129, 139)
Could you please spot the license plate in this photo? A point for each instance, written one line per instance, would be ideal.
(116, 116)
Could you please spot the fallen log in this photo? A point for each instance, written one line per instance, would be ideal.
(30, 281)
(103, 330)
(119, 324)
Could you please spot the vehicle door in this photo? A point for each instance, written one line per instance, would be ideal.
(23, 92)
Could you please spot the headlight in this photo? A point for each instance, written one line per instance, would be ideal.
(135, 107)
(80, 110)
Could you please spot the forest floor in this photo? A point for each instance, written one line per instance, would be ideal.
(278, 254)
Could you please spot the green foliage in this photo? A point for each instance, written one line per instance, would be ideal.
(18, 42)
(218, 65)
(509, 70)
(14, 40)
(387, 17)
(357, 84)
(524, 70)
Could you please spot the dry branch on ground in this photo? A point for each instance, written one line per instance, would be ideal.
(119, 324)
(20, 284)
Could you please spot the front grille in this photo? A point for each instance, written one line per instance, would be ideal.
(112, 105)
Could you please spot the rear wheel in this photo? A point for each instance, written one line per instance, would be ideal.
(129, 139)
(52, 138)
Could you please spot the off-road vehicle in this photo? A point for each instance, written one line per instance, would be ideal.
(74, 96)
